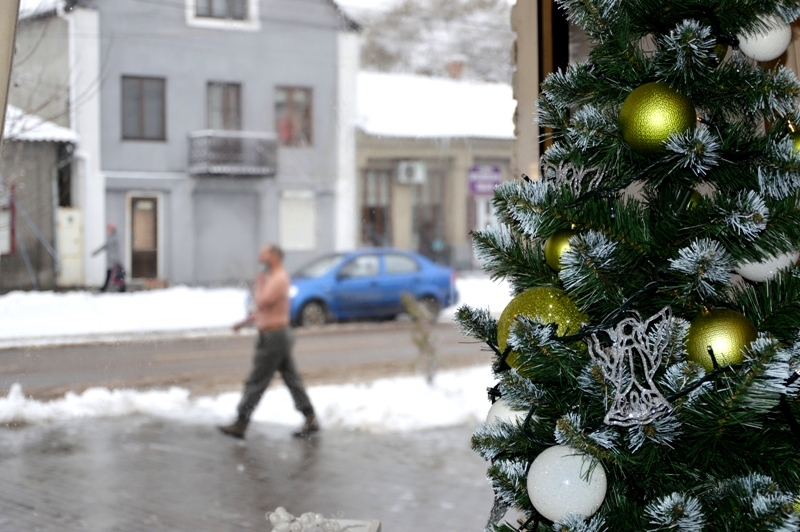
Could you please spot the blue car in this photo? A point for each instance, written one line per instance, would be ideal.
(368, 284)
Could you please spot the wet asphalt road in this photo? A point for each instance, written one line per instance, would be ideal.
(145, 474)
(206, 365)
(142, 473)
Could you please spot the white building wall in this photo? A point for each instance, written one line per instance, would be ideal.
(84, 95)
(346, 214)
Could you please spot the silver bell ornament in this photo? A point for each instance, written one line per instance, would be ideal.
(766, 44)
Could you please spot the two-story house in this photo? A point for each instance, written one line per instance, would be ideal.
(207, 127)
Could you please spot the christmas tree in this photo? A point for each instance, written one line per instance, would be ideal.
(647, 367)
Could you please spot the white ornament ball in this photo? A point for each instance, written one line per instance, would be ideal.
(556, 484)
(766, 45)
(762, 271)
(500, 411)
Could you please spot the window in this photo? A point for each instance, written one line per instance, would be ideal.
(226, 9)
(429, 216)
(298, 220)
(226, 15)
(143, 108)
(224, 106)
(396, 264)
(362, 266)
(375, 212)
(7, 232)
(293, 116)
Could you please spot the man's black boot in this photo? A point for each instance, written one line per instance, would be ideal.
(309, 428)
(235, 429)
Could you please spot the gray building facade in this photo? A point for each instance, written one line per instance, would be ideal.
(207, 128)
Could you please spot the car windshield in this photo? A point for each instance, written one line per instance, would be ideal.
(319, 267)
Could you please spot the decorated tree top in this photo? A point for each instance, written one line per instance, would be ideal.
(651, 351)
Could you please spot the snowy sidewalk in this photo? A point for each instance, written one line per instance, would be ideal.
(48, 318)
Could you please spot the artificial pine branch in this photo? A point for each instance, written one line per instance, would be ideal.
(722, 451)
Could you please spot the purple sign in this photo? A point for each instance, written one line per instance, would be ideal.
(483, 178)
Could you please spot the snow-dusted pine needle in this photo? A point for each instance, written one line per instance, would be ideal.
(678, 512)
(708, 262)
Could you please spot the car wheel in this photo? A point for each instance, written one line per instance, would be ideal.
(313, 314)
(430, 305)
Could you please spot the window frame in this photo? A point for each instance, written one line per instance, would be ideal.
(291, 90)
(226, 86)
(142, 115)
(229, 10)
(252, 22)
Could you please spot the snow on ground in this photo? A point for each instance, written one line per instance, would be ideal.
(42, 318)
(386, 405)
(398, 404)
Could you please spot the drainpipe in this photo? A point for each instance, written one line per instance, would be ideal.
(9, 12)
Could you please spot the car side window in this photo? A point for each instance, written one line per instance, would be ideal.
(396, 264)
(362, 266)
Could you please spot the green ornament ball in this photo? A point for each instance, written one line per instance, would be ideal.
(555, 246)
(653, 112)
(725, 331)
(544, 305)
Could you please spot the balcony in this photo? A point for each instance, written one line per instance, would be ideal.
(232, 153)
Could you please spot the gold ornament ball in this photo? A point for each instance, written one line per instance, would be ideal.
(555, 246)
(720, 50)
(694, 200)
(726, 331)
(653, 112)
(544, 305)
(795, 136)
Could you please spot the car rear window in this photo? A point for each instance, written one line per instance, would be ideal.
(400, 264)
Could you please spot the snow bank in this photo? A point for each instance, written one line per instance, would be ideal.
(42, 318)
(398, 404)
(48, 315)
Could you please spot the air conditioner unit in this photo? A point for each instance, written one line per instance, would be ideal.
(411, 172)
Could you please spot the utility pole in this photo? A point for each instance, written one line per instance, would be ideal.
(9, 13)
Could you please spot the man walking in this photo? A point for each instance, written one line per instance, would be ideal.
(273, 348)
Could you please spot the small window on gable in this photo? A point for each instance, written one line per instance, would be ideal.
(241, 15)
(224, 9)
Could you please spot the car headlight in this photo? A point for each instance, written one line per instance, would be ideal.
(293, 291)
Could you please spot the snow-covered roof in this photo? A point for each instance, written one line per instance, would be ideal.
(404, 105)
(23, 126)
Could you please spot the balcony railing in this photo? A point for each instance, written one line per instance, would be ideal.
(231, 153)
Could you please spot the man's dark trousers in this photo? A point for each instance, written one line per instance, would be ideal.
(273, 353)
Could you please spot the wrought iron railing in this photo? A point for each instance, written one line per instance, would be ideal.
(231, 153)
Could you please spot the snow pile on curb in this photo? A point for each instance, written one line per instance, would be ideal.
(399, 404)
